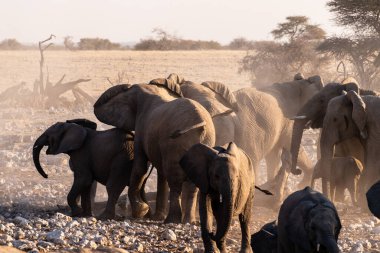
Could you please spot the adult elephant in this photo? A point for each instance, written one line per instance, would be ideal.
(312, 115)
(165, 125)
(250, 114)
(348, 116)
(264, 121)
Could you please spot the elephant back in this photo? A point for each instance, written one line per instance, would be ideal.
(170, 84)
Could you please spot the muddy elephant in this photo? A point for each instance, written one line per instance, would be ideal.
(312, 114)
(226, 180)
(308, 222)
(95, 156)
(345, 174)
(166, 125)
(250, 114)
(373, 199)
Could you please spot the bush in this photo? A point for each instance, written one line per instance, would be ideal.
(97, 44)
(241, 44)
(10, 44)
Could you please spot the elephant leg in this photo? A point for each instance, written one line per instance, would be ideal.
(332, 192)
(116, 183)
(206, 222)
(189, 193)
(174, 215)
(93, 192)
(273, 161)
(162, 197)
(306, 165)
(326, 187)
(245, 220)
(80, 183)
(139, 170)
(86, 200)
(339, 193)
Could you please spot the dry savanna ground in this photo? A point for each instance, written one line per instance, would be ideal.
(33, 212)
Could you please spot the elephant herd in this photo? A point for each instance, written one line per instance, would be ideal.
(206, 137)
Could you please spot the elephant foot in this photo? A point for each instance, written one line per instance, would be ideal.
(76, 212)
(106, 216)
(190, 220)
(139, 209)
(246, 250)
(158, 216)
(173, 219)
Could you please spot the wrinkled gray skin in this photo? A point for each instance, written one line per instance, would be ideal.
(166, 126)
(250, 114)
(345, 174)
(348, 116)
(312, 115)
(308, 219)
(225, 177)
(95, 156)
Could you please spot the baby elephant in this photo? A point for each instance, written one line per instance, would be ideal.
(102, 156)
(345, 174)
(265, 241)
(308, 222)
(226, 181)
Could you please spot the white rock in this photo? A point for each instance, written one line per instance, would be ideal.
(4, 239)
(72, 224)
(376, 230)
(20, 221)
(170, 235)
(23, 244)
(56, 236)
(358, 248)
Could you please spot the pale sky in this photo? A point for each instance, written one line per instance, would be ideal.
(130, 20)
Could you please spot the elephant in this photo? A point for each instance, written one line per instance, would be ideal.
(265, 240)
(225, 177)
(102, 156)
(250, 114)
(166, 125)
(345, 174)
(308, 222)
(373, 199)
(347, 116)
(311, 115)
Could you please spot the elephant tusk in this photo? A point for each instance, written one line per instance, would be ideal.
(299, 117)
(269, 233)
(220, 198)
(318, 246)
(364, 134)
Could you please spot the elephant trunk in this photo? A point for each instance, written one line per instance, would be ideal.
(225, 218)
(330, 244)
(38, 145)
(298, 128)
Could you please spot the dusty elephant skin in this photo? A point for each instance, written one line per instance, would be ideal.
(308, 222)
(225, 177)
(345, 174)
(348, 116)
(165, 126)
(102, 156)
(312, 115)
(251, 114)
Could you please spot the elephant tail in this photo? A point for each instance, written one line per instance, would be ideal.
(266, 192)
(38, 145)
(178, 133)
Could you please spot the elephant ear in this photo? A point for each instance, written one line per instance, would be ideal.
(176, 78)
(298, 76)
(72, 138)
(196, 162)
(296, 225)
(232, 149)
(359, 114)
(317, 81)
(169, 84)
(331, 206)
(110, 93)
(224, 92)
(373, 199)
